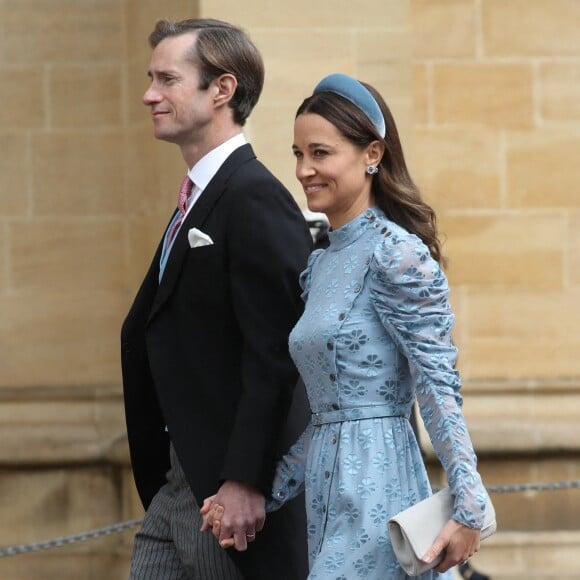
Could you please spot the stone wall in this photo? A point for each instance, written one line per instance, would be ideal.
(81, 210)
(485, 93)
(496, 137)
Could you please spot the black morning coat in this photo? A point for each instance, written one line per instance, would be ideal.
(205, 353)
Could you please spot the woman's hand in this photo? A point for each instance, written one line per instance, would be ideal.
(456, 542)
(207, 512)
(212, 513)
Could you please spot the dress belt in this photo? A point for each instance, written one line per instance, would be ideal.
(357, 413)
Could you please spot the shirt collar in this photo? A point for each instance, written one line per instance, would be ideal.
(204, 170)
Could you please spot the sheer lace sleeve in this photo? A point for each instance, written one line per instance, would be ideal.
(411, 296)
(290, 472)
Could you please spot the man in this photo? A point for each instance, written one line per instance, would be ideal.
(208, 381)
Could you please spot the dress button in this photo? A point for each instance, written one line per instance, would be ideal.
(341, 316)
(333, 378)
(329, 345)
(357, 288)
(333, 440)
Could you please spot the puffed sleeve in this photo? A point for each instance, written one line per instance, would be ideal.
(290, 472)
(410, 293)
(306, 275)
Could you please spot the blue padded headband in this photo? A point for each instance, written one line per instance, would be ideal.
(357, 94)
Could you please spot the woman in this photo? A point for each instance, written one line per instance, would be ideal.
(375, 336)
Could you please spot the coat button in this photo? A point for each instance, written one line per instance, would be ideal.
(333, 440)
(329, 345)
(333, 378)
(341, 316)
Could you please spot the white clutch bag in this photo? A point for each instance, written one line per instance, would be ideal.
(414, 530)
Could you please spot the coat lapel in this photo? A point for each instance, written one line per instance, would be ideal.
(196, 218)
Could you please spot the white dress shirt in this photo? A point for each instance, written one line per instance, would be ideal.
(201, 174)
(205, 169)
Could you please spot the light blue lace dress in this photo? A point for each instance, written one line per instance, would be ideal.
(374, 336)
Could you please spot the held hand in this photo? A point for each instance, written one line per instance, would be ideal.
(212, 514)
(456, 542)
(207, 513)
(218, 512)
(239, 514)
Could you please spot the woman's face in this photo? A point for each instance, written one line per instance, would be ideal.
(331, 169)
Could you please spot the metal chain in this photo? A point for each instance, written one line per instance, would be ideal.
(520, 487)
(65, 540)
(122, 526)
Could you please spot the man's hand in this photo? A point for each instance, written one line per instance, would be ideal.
(242, 514)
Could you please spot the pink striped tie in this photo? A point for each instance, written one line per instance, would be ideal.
(184, 194)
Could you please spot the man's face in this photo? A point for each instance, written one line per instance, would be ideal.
(180, 110)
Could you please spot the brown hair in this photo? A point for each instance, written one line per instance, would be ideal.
(393, 189)
(220, 48)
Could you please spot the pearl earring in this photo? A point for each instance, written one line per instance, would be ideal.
(371, 169)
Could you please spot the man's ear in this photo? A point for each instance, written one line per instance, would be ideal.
(224, 88)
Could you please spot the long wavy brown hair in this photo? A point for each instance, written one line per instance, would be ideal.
(393, 189)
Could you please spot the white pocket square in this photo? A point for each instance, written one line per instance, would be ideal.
(197, 238)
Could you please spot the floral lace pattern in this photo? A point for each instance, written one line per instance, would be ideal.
(374, 336)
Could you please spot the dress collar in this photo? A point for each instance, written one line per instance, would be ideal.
(354, 229)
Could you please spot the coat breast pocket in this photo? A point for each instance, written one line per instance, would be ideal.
(205, 276)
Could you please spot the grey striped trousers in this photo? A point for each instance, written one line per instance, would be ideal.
(169, 545)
